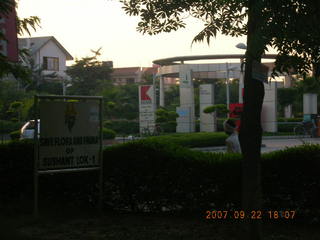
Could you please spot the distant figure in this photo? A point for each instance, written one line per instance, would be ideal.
(232, 142)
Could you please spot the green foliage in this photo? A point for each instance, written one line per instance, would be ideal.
(108, 133)
(123, 127)
(290, 119)
(15, 135)
(153, 176)
(287, 96)
(88, 75)
(166, 119)
(298, 42)
(309, 85)
(121, 102)
(9, 126)
(200, 139)
(221, 108)
(172, 99)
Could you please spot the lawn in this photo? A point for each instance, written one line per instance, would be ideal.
(120, 226)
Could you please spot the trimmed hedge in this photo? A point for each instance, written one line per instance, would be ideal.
(9, 126)
(108, 133)
(153, 176)
(200, 139)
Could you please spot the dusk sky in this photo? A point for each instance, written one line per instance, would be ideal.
(81, 25)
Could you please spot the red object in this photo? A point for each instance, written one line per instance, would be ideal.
(8, 26)
(235, 111)
(144, 94)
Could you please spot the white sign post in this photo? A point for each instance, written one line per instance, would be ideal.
(146, 109)
(69, 138)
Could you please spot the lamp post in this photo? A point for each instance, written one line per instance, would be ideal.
(243, 47)
(227, 83)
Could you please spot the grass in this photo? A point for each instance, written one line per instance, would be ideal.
(142, 227)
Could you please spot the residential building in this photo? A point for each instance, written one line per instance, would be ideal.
(129, 75)
(48, 54)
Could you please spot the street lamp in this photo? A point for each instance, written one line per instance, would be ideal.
(227, 82)
(243, 47)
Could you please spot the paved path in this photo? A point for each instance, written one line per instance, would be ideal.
(270, 144)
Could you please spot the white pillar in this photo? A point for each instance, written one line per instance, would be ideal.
(310, 103)
(241, 82)
(269, 108)
(161, 94)
(186, 111)
(288, 84)
(206, 99)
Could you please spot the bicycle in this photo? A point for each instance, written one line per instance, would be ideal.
(305, 129)
(151, 131)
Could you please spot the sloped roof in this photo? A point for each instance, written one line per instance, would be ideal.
(36, 43)
(126, 71)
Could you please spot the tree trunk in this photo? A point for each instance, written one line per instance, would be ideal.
(251, 131)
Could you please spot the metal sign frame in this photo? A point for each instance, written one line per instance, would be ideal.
(37, 172)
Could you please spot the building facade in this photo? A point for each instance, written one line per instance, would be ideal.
(47, 54)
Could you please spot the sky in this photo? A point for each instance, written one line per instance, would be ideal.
(82, 25)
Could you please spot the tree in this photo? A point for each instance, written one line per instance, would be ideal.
(260, 20)
(121, 102)
(298, 43)
(89, 76)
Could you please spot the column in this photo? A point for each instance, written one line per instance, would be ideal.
(186, 111)
(207, 99)
(161, 94)
(288, 84)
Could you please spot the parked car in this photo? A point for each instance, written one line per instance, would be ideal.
(27, 130)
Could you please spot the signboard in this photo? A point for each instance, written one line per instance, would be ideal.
(260, 72)
(146, 108)
(69, 138)
(70, 134)
(9, 45)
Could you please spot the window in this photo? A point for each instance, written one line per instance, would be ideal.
(130, 80)
(51, 63)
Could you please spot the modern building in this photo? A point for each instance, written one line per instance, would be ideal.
(47, 53)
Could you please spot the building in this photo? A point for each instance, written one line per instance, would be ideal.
(47, 53)
(129, 75)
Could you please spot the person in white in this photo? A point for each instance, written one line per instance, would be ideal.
(232, 142)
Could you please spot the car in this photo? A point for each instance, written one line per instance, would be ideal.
(27, 130)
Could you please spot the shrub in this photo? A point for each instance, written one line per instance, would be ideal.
(150, 175)
(108, 133)
(123, 126)
(15, 135)
(9, 126)
(200, 139)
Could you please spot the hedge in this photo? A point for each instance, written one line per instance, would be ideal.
(122, 126)
(154, 176)
(200, 139)
(9, 126)
(108, 133)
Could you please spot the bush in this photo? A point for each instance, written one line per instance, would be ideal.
(108, 133)
(123, 126)
(200, 139)
(15, 135)
(9, 126)
(152, 176)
